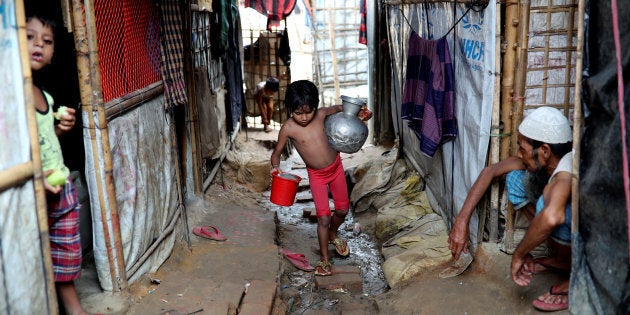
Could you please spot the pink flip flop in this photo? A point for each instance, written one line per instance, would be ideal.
(209, 232)
(551, 307)
(298, 260)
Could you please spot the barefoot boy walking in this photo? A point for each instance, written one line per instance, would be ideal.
(305, 128)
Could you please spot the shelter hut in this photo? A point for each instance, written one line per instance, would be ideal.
(509, 58)
(500, 71)
(147, 138)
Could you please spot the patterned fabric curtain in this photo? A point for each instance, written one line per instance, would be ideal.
(172, 53)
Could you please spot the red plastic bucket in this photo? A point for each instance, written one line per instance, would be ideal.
(284, 186)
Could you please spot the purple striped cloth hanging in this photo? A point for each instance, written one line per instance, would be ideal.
(428, 98)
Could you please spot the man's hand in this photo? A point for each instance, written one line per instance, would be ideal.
(66, 121)
(522, 269)
(364, 113)
(458, 239)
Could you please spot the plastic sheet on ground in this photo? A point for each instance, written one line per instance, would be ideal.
(375, 178)
(419, 246)
(399, 213)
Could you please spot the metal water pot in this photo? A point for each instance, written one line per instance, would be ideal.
(345, 131)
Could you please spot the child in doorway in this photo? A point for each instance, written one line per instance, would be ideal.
(62, 201)
(264, 92)
(305, 128)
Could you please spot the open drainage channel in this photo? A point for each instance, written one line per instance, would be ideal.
(299, 231)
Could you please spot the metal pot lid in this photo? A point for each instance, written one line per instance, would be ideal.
(353, 100)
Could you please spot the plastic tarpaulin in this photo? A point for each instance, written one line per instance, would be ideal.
(22, 280)
(146, 190)
(471, 43)
(600, 277)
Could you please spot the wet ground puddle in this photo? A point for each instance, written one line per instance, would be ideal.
(364, 252)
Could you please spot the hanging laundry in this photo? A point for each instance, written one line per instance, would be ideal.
(284, 50)
(274, 10)
(172, 51)
(428, 97)
(363, 25)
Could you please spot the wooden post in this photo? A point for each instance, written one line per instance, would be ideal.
(495, 144)
(507, 77)
(36, 165)
(578, 121)
(521, 73)
(333, 52)
(193, 111)
(91, 97)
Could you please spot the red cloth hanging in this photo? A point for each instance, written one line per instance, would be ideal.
(274, 10)
(363, 25)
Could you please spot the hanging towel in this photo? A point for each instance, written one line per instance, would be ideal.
(428, 100)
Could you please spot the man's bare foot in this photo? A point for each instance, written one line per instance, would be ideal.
(545, 264)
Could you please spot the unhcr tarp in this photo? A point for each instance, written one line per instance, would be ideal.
(471, 44)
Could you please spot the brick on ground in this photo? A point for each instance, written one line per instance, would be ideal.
(344, 277)
(261, 293)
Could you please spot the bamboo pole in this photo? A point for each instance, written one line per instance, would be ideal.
(193, 110)
(507, 78)
(66, 12)
(16, 175)
(217, 165)
(169, 229)
(36, 164)
(97, 95)
(521, 73)
(85, 87)
(318, 71)
(567, 73)
(507, 99)
(333, 52)
(495, 141)
(578, 122)
(121, 105)
(545, 72)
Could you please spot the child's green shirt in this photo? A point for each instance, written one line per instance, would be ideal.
(50, 149)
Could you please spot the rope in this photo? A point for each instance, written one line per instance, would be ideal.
(622, 114)
(475, 5)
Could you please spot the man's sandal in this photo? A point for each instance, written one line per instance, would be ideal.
(323, 269)
(341, 246)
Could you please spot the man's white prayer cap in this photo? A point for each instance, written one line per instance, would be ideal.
(547, 125)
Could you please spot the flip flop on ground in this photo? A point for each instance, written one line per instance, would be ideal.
(209, 232)
(323, 268)
(552, 301)
(341, 246)
(298, 260)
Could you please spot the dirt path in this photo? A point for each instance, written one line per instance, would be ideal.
(485, 288)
